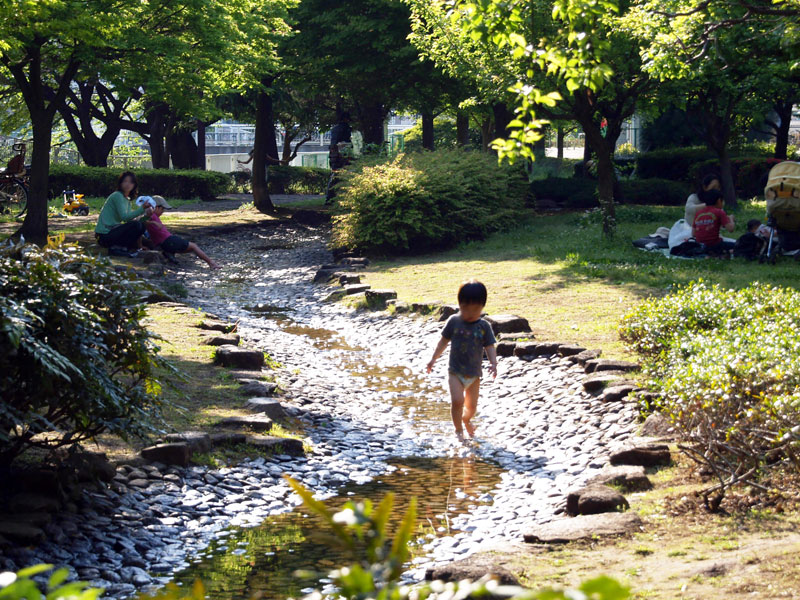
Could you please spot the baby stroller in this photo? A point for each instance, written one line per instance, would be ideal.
(783, 210)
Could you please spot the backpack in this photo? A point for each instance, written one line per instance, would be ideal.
(688, 249)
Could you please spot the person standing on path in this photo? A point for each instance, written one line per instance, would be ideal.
(471, 336)
(117, 227)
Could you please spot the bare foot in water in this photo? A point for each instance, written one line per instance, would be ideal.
(470, 428)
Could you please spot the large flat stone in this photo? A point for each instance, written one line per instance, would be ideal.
(525, 348)
(645, 455)
(349, 279)
(334, 296)
(227, 438)
(24, 534)
(276, 445)
(508, 324)
(380, 296)
(257, 388)
(616, 392)
(584, 527)
(505, 348)
(597, 382)
(215, 325)
(230, 339)
(583, 357)
(445, 311)
(239, 358)
(630, 478)
(658, 426)
(570, 350)
(595, 499)
(268, 406)
(258, 422)
(606, 364)
(176, 453)
(355, 288)
(472, 568)
(198, 441)
(354, 260)
(520, 336)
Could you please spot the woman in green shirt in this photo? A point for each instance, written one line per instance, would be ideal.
(116, 227)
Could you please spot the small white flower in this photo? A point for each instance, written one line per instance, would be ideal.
(7, 578)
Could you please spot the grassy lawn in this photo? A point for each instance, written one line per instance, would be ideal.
(569, 282)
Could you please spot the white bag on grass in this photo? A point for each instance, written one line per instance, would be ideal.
(679, 233)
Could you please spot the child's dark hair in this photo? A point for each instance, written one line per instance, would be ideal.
(135, 190)
(712, 197)
(753, 223)
(472, 292)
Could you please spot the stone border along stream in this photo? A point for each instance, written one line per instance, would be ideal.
(536, 421)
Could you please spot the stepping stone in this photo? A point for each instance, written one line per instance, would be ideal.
(23, 534)
(570, 350)
(508, 324)
(516, 337)
(472, 568)
(606, 364)
(90, 466)
(525, 348)
(505, 348)
(445, 311)
(198, 441)
(599, 381)
(325, 275)
(268, 406)
(380, 296)
(215, 325)
(227, 439)
(630, 478)
(645, 455)
(28, 502)
(425, 307)
(176, 453)
(231, 339)
(346, 279)
(257, 388)
(349, 268)
(276, 445)
(258, 422)
(546, 348)
(595, 499)
(584, 527)
(353, 260)
(239, 358)
(334, 296)
(401, 307)
(355, 288)
(156, 297)
(615, 393)
(583, 357)
(658, 426)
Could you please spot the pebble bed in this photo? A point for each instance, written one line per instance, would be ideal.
(357, 380)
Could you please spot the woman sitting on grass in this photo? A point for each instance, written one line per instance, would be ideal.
(170, 244)
(117, 228)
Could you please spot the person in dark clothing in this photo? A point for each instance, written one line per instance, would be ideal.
(340, 134)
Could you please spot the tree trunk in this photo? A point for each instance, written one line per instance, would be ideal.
(462, 129)
(427, 130)
(78, 112)
(486, 134)
(560, 134)
(502, 117)
(34, 227)
(200, 161)
(726, 173)
(288, 138)
(784, 111)
(540, 146)
(370, 120)
(182, 148)
(265, 129)
(156, 125)
(605, 192)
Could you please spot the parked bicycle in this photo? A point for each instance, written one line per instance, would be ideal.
(14, 184)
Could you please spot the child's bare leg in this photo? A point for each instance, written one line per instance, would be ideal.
(194, 248)
(470, 406)
(456, 402)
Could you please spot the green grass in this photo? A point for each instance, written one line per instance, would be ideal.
(566, 279)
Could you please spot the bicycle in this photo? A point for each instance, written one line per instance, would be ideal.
(13, 184)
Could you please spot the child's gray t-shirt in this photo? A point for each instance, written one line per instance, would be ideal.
(467, 341)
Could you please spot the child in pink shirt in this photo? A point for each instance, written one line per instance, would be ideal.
(168, 243)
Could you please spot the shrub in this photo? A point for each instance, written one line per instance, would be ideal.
(725, 364)
(426, 200)
(444, 135)
(580, 193)
(74, 356)
(101, 181)
(297, 180)
(677, 163)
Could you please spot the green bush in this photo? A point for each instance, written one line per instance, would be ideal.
(426, 200)
(297, 180)
(677, 163)
(444, 135)
(580, 193)
(101, 181)
(75, 359)
(725, 365)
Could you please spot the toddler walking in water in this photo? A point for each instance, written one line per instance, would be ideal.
(469, 336)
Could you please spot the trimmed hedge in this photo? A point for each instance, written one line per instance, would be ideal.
(677, 163)
(427, 200)
(749, 173)
(171, 183)
(579, 193)
(297, 180)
